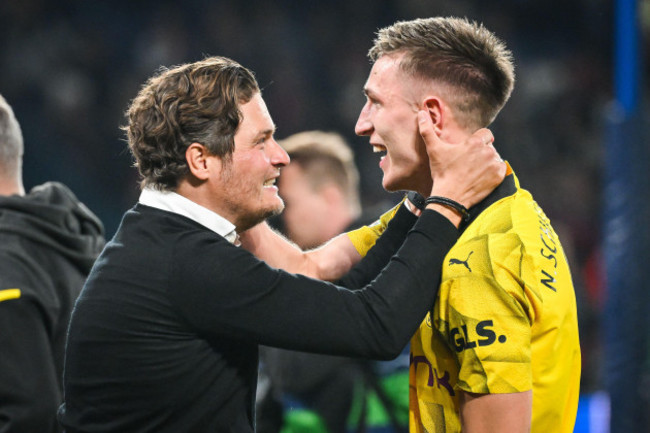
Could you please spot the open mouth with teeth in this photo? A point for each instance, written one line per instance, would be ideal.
(382, 151)
(270, 182)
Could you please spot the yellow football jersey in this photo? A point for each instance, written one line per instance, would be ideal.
(504, 320)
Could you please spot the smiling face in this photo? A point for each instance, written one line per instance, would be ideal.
(244, 185)
(389, 119)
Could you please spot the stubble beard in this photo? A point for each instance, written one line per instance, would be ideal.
(252, 220)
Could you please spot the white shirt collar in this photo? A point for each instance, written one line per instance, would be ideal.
(176, 203)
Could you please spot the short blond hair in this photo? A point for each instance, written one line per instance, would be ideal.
(471, 63)
(325, 157)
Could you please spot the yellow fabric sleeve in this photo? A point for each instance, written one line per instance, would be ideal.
(365, 237)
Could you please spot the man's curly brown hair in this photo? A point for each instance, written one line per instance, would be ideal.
(191, 103)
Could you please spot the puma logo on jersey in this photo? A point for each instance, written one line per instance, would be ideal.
(462, 262)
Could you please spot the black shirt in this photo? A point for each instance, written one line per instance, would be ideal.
(164, 337)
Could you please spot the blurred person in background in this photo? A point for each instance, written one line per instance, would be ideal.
(165, 334)
(48, 243)
(320, 189)
(500, 349)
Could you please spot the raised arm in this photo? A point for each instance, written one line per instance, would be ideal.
(279, 309)
(328, 262)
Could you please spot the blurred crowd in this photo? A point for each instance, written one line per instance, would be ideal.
(70, 67)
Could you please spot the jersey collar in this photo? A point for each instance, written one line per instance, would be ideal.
(507, 188)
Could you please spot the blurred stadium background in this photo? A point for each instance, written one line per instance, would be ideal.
(70, 67)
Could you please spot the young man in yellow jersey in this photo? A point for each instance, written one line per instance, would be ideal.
(499, 351)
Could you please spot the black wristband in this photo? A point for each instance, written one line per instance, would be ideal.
(416, 198)
(462, 210)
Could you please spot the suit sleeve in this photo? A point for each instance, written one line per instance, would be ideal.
(226, 292)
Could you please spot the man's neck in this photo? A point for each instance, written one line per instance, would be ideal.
(11, 188)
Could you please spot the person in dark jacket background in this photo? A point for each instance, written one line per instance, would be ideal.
(48, 243)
